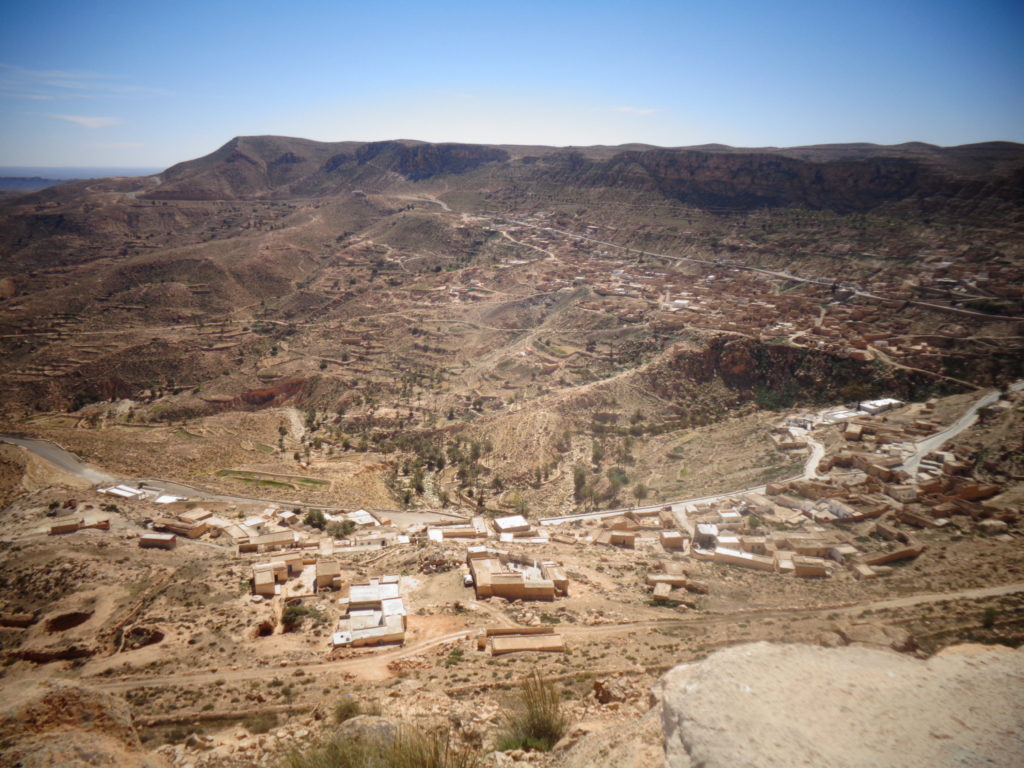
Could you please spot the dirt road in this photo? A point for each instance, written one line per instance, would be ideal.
(374, 666)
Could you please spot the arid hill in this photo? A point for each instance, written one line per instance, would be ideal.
(735, 395)
(832, 177)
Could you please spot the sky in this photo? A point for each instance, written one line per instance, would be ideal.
(141, 84)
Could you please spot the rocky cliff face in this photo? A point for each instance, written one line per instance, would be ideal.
(271, 166)
(775, 373)
(762, 704)
(712, 177)
(748, 180)
(422, 161)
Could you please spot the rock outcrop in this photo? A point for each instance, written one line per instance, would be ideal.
(70, 725)
(763, 704)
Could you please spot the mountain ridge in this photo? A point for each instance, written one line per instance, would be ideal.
(838, 177)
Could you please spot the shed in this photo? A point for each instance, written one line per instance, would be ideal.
(158, 541)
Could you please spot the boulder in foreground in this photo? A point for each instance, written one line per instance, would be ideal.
(763, 704)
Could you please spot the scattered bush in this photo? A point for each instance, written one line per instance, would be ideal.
(407, 748)
(260, 723)
(534, 719)
(294, 615)
(347, 708)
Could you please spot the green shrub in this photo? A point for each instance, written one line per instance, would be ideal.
(341, 530)
(260, 723)
(347, 708)
(534, 719)
(294, 615)
(454, 657)
(314, 517)
(409, 748)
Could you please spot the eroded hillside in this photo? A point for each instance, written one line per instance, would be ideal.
(380, 353)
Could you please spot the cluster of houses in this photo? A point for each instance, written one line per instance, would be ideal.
(373, 614)
(801, 528)
(372, 611)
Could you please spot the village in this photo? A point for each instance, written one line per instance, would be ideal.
(472, 446)
(872, 495)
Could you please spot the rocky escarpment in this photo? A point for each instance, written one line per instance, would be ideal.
(709, 177)
(421, 161)
(279, 167)
(762, 704)
(778, 375)
(749, 179)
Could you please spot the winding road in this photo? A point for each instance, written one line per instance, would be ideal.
(70, 463)
(810, 471)
(59, 457)
(966, 421)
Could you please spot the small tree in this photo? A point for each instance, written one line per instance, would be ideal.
(293, 616)
(579, 483)
(315, 518)
(341, 530)
(640, 491)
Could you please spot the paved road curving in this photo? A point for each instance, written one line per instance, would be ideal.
(810, 471)
(56, 455)
(965, 422)
(70, 463)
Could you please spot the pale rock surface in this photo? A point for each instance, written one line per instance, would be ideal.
(778, 705)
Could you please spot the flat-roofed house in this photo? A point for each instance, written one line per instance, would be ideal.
(268, 542)
(541, 642)
(511, 524)
(625, 539)
(376, 615)
(328, 574)
(809, 567)
(158, 541)
(744, 559)
(196, 515)
(190, 530)
(494, 578)
(67, 526)
(372, 592)
(557, 576)
(672, 540)
(263, 583)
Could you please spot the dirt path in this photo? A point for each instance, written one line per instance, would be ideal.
(895, 364)
(375, 666)
(782, 275)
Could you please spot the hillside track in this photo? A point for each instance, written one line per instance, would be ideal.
(371, 666)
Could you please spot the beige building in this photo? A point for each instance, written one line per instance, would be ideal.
(158, 541)
(375, 614)
(498, 576)
(328, 575)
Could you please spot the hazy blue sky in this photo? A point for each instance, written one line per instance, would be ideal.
(149, 84)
